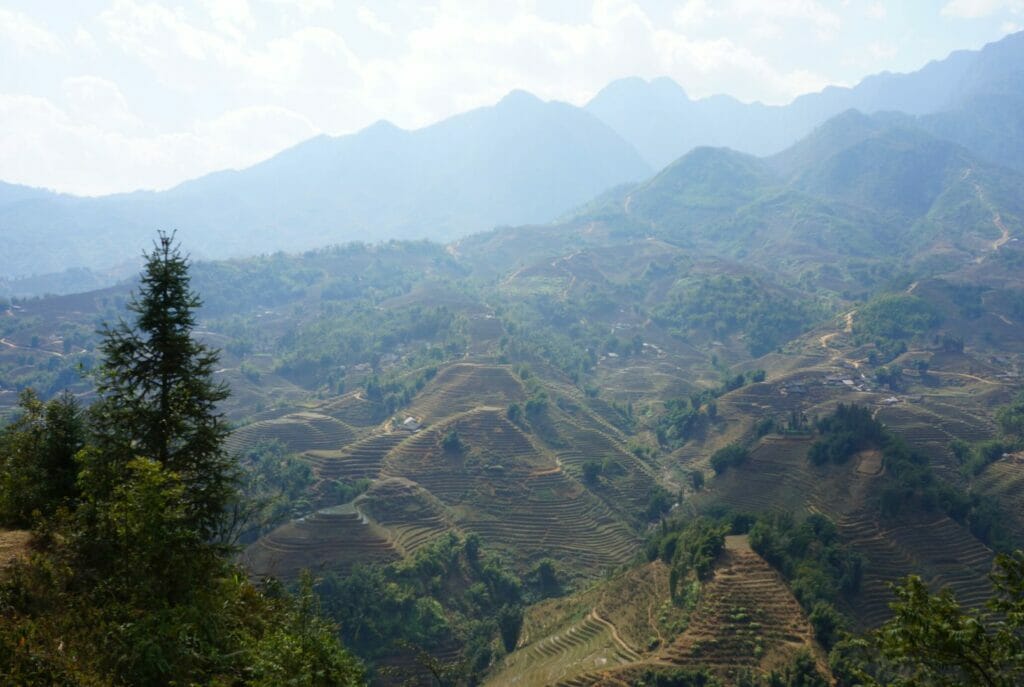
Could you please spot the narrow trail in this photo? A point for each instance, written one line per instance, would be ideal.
(654, 624)
(1005, 319)
(826, 339)
(997, 218)
(963, 374)
(615, 635)
(11, 344)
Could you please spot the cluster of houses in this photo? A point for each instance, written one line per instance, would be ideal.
(851, 382)
(860, 383)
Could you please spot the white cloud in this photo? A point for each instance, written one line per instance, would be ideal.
(232, 17)
(199, 69)
(97, 102)
(25, 34)
(694, 14)
(84, 39)
(303, 69)
(156, 35)
(876, 10)
(305, 7)
(977, 9)
(882, 51)
(44, 145)
(370, 19)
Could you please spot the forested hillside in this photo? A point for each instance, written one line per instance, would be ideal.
(623, 400)
(709, 416)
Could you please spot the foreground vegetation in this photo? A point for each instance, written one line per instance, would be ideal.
(130, 580)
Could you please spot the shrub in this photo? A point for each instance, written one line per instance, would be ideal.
(730, 456)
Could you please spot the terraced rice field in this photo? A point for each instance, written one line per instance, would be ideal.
(512, 494)
(627, 482)
(298, 432)
(555, 517)
(465, 386)
(613, 622)
(412, 517)
(354, 410)
(362, 459)
(1004, 479)
(333, 539)
(932, 434)
(746, 617)
(776, 477)
(589, 644)
(937, 548)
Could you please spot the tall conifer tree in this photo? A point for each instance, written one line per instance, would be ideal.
(159, 398)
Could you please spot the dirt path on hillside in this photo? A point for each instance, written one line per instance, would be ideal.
(997, 220)
(11, 344)
(630, 651)
(963, 374)
(653, 622)
(823, 340)
(826, 339)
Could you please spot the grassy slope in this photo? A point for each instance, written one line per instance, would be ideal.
(745, 618)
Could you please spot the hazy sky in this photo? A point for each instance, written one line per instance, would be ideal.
(98, 96)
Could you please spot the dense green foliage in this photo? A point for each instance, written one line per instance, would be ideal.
(932, 641)
(275, 487)
(37, 459)
(802, 672)
(157, 395)
(894, 316)
(821, 571)
(687, 418)
(908, 481)
(848, 430)
(449, 594)
(1011, 417)
(722, 305)
(130, 582)
(691, 548)
(729, 456)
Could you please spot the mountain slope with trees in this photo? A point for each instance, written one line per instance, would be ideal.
(129, 580)
(663, 123)
(520, 161)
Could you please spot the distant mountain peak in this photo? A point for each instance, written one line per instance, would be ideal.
(519, 98)
(635, 86)
(668, 85)
(382, 125)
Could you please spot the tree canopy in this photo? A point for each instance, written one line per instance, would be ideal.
(130, 582)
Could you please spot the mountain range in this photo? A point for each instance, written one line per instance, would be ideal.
(663, 123)
(524, 161)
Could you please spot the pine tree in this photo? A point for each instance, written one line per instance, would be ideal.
(129, 584)
(37, 458)
(159, 399)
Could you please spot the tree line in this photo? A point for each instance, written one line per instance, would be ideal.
(133, 503)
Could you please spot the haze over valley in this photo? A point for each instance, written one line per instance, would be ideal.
(649, 389)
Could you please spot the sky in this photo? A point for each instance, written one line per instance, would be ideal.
(104, 96)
